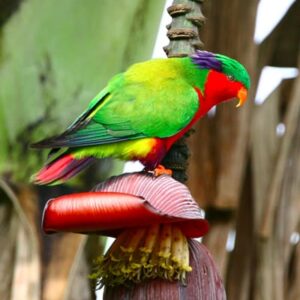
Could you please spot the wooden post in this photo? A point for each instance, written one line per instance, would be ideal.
(183, 32)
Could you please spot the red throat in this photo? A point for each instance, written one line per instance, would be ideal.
(219, 88)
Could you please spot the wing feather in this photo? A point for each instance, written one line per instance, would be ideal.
(133, 107)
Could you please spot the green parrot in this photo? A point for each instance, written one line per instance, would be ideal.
(142, 112)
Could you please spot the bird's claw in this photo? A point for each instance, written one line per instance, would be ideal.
(161, 170)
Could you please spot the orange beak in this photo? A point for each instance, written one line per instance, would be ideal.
(242, 96)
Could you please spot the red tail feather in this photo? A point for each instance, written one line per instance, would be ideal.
(61, 169)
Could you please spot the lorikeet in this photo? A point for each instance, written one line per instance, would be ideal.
(143, 111)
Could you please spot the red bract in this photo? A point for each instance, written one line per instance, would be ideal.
(126, 201)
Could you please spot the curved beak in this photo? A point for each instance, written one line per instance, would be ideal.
(242, 96)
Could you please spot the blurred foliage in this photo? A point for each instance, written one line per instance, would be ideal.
(7, 7)
(54, 57)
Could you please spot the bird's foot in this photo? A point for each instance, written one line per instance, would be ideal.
(161, 170)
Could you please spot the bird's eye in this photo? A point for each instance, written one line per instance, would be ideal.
(230, 77)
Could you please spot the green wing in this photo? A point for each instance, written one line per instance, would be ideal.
(153, 112)
(132, 107)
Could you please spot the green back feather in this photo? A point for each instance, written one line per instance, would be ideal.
(136, 104)
(147, 92)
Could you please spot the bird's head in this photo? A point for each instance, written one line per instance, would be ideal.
(226, 79)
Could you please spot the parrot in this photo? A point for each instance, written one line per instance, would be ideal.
(141, 113)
